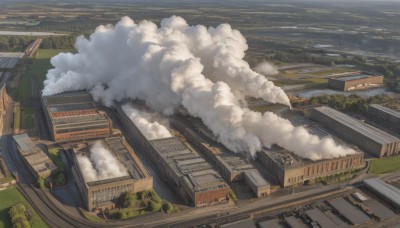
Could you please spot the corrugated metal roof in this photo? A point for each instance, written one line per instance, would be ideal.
(388, 191)
(25, 144)
(379, 209)
(317, 216)
(255, 177)
(351, 213)
(386, 110)
(9, 60)
(270, 224)
(293, 222)
(367, 130)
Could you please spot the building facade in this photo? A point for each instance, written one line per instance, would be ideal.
(385, 116)
(35, 159)
(365, 136)
(290, 169)
(356, 81)
(184, 169)
(102, 194)
(73, 116)
(232, 166)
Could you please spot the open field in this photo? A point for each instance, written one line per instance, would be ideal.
(385, 165)
(10, 197)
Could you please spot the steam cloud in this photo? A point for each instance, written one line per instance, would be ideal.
(147, 123)
(101, 165)
(177, 64)
(266, 68)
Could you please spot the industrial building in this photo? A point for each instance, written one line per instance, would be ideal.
(102, 194)
(385, 116)
(73, 116)
(35, 159)
(387, 192)
(8, 60)
(365, 136)
(291, 169)
(355, 81)
(349, 211)
(232, 166)
(190, 174)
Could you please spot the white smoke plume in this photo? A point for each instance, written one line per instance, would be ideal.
(177, 64)
(101, 165)
(147, 123)
(266, 68)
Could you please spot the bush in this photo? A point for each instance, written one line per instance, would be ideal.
(18, 215)
(128, 200)
(153, 195)
(40, 182)
(168, 207)
(126, 213)
(153, 206)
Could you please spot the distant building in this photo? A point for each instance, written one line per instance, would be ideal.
(102, 194)
(365, 136)
(9, 60)
(356, 81)
(291, 169)
(35, 159)
(73, 116)
(385, 116)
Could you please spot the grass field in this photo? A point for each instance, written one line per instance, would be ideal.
(35, 67)
(10, 197)
(56, 157)
(385, 165)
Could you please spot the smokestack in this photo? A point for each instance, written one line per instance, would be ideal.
(199, 68)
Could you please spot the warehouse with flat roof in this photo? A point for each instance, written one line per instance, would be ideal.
(73, 116)
(233, 167)
(290, 169)
(388, 192)
(35, 159)
(386, 116)
(365, 136)
(185, 170)
(356, 81)
(102, 192)
(8, 60)
(192, 175)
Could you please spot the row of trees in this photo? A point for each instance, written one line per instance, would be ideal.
(345, 103)
(133, 204)
(19, 43)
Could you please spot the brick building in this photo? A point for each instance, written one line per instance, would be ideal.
(233, 167)
(184, 169)
(291, 169)
(102, 194)
(356, 81)
(73, 116)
